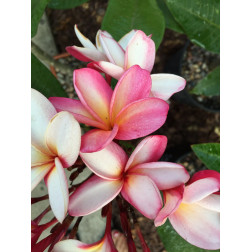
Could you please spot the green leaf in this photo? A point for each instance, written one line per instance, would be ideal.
(123, 16)
(65, 4)
(210, 85)
(170, 22)
(173, 242)
(209, 154)
(37, 10)
(43, 80)
(200, 20)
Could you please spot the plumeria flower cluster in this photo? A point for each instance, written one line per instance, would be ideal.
(135, 108)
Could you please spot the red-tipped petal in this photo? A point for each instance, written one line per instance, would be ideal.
(135, 84)
(140, 51)
(165, 85)
(142, 193)
(164, 174)
(107, 163)
(141, 118)
(124, 41)
(150, 149)
(204, 174)
(63, 137)
(96, 140)
(94, 92)
(197, 225)
(92, 195)
(56, 182)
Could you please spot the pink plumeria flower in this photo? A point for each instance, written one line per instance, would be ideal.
(125, 113)
(194, 210)
(138, 178)
(55, 145)
(114, 58)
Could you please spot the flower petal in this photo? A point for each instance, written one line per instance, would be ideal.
(41, 113)
(140, 51)
(136, 79)
(56, 182)
(69, 246)
(164, 174)
(112, 49)
(142, 193)
(150, 149)
(94, 92)
(63, 137)
(211, 202)
(204, 174)
(141, 118)
(197, 225)
(124, 41)
(92, 195)
(172, 199)
(38, 173)
(84, 41)
(107, 163)
(39, 158)
(96, 140)
(76, 108)
(165, 85)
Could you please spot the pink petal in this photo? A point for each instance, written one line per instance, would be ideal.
(39, 158)
(84, 41)
(124, 41)
(165, 85)
(94, 93)
(164, 174)
(41, 113)
(140, 51)
(112, 49)
(107, 163)
(211, 202)
(56, 182)
(205, 174)
(197, 225)
(172, 199)
(142, 193)
(108, 68)
(141, 118)
(96, 140)
(150, 149)
(76, 108)
(39, 172)
(63, 137)
(92, 195)
(135, 79)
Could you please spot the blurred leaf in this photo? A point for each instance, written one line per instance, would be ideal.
(37, 10)
(209, 154)
(200, 20)
(170, 22)
(65, 4)
(43, 80)
(173, 242)
(123, 16)
(210, 85)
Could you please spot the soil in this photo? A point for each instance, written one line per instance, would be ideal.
(185, 124)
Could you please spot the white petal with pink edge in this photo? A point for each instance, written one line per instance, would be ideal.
(124, 41)
(69, 245)
(142, 193)
(41, 113)
(197, 225)
(165, 85)
(92, 195)
(63, 137)
(150, 149)
(211, 202)
(107, 163)
(164, 174)
(56, 182)
(140, 51)
(84, 41)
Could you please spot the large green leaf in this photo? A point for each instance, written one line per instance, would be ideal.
(173, 242)
(43, 80)
(123, 16)
(65, 4)
(37, 10)
(200, 20)
(209, 154)
(210, 85)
